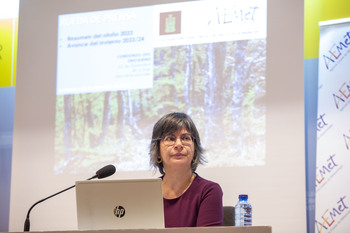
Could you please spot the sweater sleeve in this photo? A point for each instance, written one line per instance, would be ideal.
(211, 210)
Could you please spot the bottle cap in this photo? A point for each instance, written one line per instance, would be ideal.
(243, 196)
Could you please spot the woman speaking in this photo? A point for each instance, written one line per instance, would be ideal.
(189, 200)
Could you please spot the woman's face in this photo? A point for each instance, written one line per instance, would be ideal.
(177, 150)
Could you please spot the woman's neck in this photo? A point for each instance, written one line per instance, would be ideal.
(176, 183)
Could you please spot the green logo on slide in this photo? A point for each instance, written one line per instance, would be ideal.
(170, 23)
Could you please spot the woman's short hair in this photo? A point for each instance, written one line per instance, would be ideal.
(169, 124)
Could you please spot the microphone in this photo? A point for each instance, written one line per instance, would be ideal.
(104, 172)
(100, 174)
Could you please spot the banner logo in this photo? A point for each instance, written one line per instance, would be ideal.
(336, 52)
(321, 123)
(331, 216)
(328, 168)
(341, 97)
(347, 140)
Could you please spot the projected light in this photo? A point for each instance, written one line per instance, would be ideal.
(119, 71)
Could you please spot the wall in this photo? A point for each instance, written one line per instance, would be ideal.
(8, 51)
(270, 191)
(315, 11)
(271, 188)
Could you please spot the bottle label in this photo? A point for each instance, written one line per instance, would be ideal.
(243, 215)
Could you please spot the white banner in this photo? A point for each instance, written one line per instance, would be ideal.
(332, 212)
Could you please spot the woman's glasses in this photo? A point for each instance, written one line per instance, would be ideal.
(186, 139)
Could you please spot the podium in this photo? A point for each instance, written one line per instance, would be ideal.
(228, 229)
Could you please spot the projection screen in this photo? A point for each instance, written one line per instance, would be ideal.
(119, 70)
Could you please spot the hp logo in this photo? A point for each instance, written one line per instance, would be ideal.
(119, 211)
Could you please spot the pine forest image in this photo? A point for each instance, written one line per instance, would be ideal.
(222, 86)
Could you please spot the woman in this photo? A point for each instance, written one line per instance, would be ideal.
(189, 200)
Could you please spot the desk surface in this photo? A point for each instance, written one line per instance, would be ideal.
(252, 229)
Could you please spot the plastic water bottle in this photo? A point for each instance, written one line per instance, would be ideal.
(243, 211)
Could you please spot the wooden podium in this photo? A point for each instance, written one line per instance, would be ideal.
(229, 229)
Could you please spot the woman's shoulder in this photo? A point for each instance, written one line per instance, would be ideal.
(203, 183)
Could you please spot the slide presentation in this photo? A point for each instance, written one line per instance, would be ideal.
(119, 71)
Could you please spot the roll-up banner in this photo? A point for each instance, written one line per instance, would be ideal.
(332, 213)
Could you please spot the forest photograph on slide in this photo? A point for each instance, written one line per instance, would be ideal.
(221, 85)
